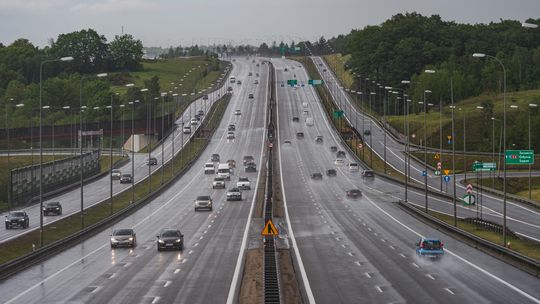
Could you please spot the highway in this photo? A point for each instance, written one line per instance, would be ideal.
(362, 250)
(98, 190)
(202, 273)
(521, 219)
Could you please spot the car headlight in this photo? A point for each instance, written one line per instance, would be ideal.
(130, 239)
(113, 240)
(161, 241)
(21, 220)
(44, 208)
(57, 208)
(178, 241)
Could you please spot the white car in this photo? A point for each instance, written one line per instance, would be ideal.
(194, 121)
(219, 182)
(237, 112)
(209, 168)
(339, 162)
(243, 183)
(187, 130)
(354, 167)
(234, 194)
(116, 174)
(230, 135)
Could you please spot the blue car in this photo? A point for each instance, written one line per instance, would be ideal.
(430, 248)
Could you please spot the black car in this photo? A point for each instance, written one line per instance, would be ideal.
(170, 239)
(250, 96)
(340, 154)
(52, 208)
(152, 161)
(215, 157)
(354, 193)
(251, 167)
(123, 237)
(333, 149)
(126, 179)
(319, 139)
(316, 175)
(248, 159)
(300, 135)
(231, 128)
(205, 97)
(368, 173)
(17, 219)
(331, 172)
(200, 113)
(367, 132)
(295, 119)
(229, 89)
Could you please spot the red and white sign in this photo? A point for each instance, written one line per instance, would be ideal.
(439, 166)
(469, 188)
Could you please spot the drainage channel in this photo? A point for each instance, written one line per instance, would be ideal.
(271, 278)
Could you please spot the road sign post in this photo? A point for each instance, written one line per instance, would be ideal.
(519, 157)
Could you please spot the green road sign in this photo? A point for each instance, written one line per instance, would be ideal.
(477, 167)
(437, 172)
(338, 113)
(297, 48)
(519, 157)
(292, 81)
(315, 81)
(468, 199)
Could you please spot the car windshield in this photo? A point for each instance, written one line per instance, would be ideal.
(126, 175)
(203, 198)
(123, 232)
(170, 233)
(17, 214)
(53, 204)
(432, 244)
(243, 179)
(218, 179)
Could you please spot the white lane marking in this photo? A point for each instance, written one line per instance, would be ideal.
(305, 280)
(156, 299)
(449, 291)
(195, 245)
(184, 261)
(177, 270)
(96, 288)
(112, 275)
(392, 247)
(403, 255)
(190, 252)
(379, 289)
(126, 265)
(430, 276)
(343, 245)
(415, 265)
(350, 253)
(237, 269)
(358, 263)
(367, 275)
(167, 283)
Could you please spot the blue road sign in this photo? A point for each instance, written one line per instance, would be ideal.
(447, 178)
(449, 142)
(424, 173)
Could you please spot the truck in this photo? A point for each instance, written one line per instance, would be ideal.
(224, 171)
(209, 168)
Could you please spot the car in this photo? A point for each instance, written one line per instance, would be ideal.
(248, 159)
(250, 74)
(52, 208)
(256, 81)
(231, 127)
(282, 85)
(354, 167)
(300, 135)
(238, 82)
(230, 135)
(237, 112)
(331, 172)
(431, 248)
(198, 117)
(17, 219)
(243, 183)
(215, 157)
(250, 96)
(286, 70)
(368, 173)
(339, 162)
(116, 174)
(309, 121)
(218, 183)
(251, 167)
(234, 194)
(209, 168)
(231, 163)
(126, 178)
(305, 113)
(316, 175)
(340, 154)
(200, 113)
(354, 193)
(333, 149)
(367, 132)
(170, 239)
(186, 130)
(257, 74)
(229, 89)
(224, 170)
(194, 121)
(319, 139)
(152, 161)
(295, 119)
(287, 141)
(123, 237)
(205, 97)
(203, 202)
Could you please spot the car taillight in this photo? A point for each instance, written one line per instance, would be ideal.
(442, 245)
(422, 245)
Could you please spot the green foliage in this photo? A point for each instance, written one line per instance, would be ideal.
(126, 52)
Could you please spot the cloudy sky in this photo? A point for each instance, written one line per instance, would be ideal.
(183, 22)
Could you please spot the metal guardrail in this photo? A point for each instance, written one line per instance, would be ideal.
(488, 225)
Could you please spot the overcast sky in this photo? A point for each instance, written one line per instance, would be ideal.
(183, 22)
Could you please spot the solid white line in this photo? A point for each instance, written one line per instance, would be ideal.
(156, 299)
(167, 283)
(305, 281)
(241, 254)
(177, 270)
(449, 291)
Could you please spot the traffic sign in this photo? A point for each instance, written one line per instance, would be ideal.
(338, 113)
(437, 172)
(315, 81)
(439, 166)
(446, 171)
(449, 137)
(424, 173)
(484, 166)
(519, 157)
(446, 178)
(437, 156)
(292, 82)
(469, 188)
(469, 199)
(360, 146)
(269, 229)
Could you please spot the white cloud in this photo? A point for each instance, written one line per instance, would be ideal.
(115, 6)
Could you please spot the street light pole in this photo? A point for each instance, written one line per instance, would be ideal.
(110, 155)
(531, 105)
(148, 107)
(162, 136)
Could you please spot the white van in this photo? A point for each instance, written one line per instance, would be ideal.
(209, 168)
(309, 121)
(354, 167)
(304, 104)
(224, 171)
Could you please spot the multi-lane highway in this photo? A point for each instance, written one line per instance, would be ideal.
(362, 250)
(202, 273)
(521, 219)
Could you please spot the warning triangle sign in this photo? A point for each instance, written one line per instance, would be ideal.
(269, 229)
(446, 172)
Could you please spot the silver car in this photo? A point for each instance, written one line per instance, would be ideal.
(203, 202)
(123, 237)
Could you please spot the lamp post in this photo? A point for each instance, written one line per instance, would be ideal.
(162, 136)
(384, 120)
(175, 102)
(424, 103)
(8, 148)
(531, 106)
(481, 55)
(148, 132)
(110, 153)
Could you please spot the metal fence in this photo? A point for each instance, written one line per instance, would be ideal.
(56, 174)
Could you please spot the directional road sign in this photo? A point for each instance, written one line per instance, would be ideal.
(437, 172)
(468, 199)
(439, 166)
(446, 178)
(269, 229)
(315, 81)
(469, 188)
(292, 81)
(437, 156)
(484, 167)
(424, 173)
(519, 157)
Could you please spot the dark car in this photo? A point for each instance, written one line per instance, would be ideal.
(286, 70)
(126, 179)
(316, 175)
(200, 113)
(250, 96)
(248, 159)
(231, 127)
(354, 193)
(319, 139)
(170, 239)
(300, 135)
(368, 173)
(17, 219)
(367, 132)
(331, 172)
(251, 167)
(205, 97)
(430, 248)
(123, 237)
(152, 161)
(52, 208)
(229, 89)
(340, 154)
(295, 119)
(215, 157)
(333, 149)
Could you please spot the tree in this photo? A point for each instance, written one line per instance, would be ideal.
(126, 52)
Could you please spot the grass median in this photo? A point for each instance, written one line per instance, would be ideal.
(69, 225)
